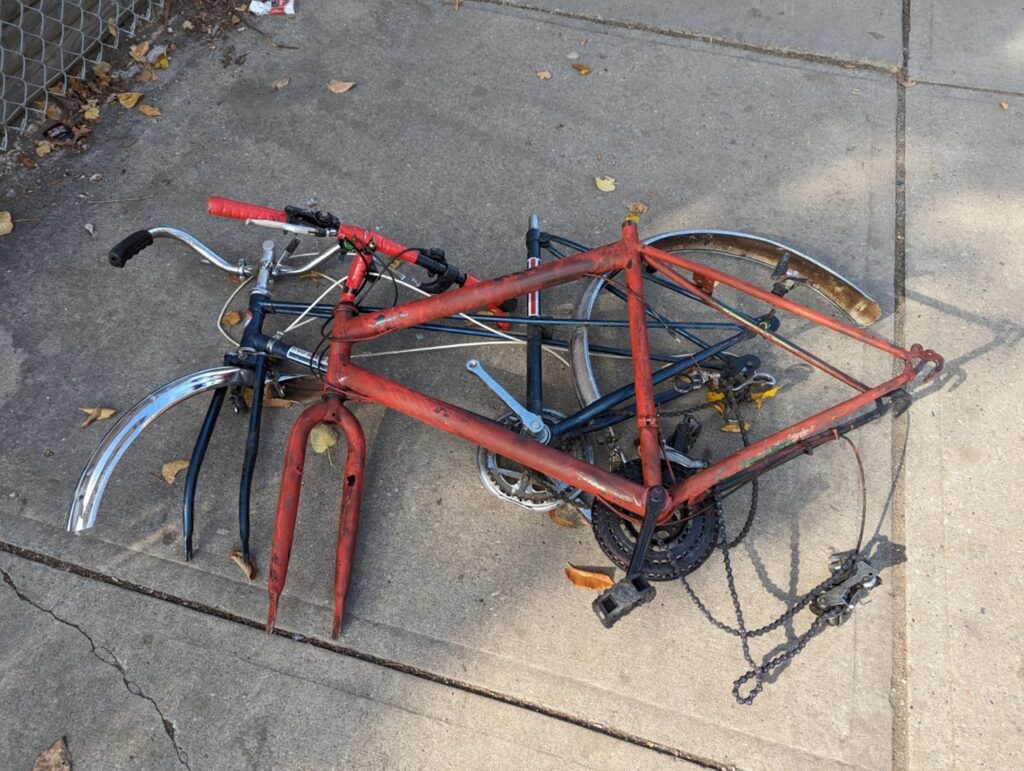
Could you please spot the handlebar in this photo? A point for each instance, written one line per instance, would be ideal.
(239, 210)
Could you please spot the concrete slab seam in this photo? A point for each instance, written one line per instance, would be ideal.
(97, 651)
(898, 692)
(423, 674)
(701, 37)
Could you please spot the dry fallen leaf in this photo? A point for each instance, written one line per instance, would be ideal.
(128, 99)
(90, 228)
(759, 398)
(544, 75)
(280, 83)
(734, 428)
(322, 438)
(145, 75)
(56, 758)
(111, 26)
(43, 148)
(637, 207)
(1004, 105)
(27, 162)
(53, 111)
(6, 223)
(138, 52)
(150, 111)
(581, 68)
(231, 319)
(247, 566)
(339, 86)
(96, 413)
(605, 184)
(171, 469)
(92, 112)
(187, 25)
(587, 579)
(564, 516)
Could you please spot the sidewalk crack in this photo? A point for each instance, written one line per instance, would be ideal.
(108, 657)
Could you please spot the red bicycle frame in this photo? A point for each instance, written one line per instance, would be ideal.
(347, 381)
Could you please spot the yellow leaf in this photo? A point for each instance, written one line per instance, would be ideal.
(92, 414)
(162, 62)
(231, 319)
(715, 396)
(581, 68)
(43, 148)
(138, 52)
(6, 223)
(171, 469)
(129, 98)
(92, 112)
(587, 579)
(339, 86)
(544, 75)
(564, 516)
(1004, 105)
(247, 566)
(280, 83)
(152, 112)
(759, 398)
(605, 184)
(734, 428)
(322, 438)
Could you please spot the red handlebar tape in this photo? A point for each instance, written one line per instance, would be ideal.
(225, 207)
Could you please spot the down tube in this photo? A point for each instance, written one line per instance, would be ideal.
(488, 434)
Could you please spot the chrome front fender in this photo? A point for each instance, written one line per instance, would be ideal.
(99, 469)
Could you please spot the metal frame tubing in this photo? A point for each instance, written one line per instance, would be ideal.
(345, 380)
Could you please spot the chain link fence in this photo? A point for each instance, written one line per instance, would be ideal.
(43, 43)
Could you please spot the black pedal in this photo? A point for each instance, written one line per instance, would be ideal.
(623, 598)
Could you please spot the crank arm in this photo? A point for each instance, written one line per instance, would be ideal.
(99, 469)
(532, 422)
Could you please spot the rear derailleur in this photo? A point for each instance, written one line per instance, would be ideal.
(854, 583)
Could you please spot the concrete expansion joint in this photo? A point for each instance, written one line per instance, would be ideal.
(899, 71)
(369, 658)
(107, 656)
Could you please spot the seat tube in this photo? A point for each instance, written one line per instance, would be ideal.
(646, 411)
(534, 335)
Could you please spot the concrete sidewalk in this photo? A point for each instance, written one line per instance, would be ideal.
(464, 646)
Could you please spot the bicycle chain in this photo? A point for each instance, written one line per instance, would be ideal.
(760, 672)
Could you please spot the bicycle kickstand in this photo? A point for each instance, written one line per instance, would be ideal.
(330, 410)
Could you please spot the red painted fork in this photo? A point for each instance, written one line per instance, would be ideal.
(330, 410)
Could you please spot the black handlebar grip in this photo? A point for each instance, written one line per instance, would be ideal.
(129, 247)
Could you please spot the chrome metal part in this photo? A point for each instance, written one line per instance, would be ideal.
(532, 422)
(532, 490)
(99, 469)
(843, 293)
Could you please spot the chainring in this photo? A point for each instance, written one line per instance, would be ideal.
(525, 487)
(679, 547)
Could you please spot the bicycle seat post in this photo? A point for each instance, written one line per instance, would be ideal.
(534, 333)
